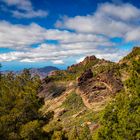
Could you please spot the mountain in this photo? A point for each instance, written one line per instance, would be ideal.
(134, 55)
(80, 94)
(92, 100)
(43, 72)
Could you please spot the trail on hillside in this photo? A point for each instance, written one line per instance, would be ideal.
(107, 86)
(86, 103)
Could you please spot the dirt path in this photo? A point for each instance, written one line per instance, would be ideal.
(86, 103)
(110, 89)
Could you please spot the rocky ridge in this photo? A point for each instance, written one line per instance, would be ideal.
(92, 83)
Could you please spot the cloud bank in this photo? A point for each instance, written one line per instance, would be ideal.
(74, 37)
(109, 19)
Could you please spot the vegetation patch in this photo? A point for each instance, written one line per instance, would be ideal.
(73, 104)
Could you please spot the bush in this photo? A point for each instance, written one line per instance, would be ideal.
(121, 118)
(30, 130)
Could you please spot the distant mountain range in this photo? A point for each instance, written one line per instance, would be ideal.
(42, 72)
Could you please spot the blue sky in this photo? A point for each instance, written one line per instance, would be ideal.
(37, 33)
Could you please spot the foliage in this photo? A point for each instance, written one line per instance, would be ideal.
(31, 130)
(121, 118)
(106, 67)
(58, 135)
(20, 116)
(131, 56)
(73, 103)
(19, 106)
(79, 133)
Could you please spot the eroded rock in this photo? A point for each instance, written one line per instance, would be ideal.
(99, 87)
(85, 76)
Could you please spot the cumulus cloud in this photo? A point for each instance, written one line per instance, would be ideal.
(22, 36)
(123, 11)
(20, 4)
(25, 9)
(109, 19)
(58, 62)
(91, 36)
(57, 54)
(133, 35)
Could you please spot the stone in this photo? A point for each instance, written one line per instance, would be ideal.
(85, 76)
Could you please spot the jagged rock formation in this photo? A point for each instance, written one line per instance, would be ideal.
(94, 86)
(97, 88)
(87, 61)
(85, 76)
(93, 79)
(82, 91)
(112, 80)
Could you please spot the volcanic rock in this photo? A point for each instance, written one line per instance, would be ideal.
(85, 76)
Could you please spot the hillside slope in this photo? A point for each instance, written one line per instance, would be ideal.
(92, 100)
(78, 95)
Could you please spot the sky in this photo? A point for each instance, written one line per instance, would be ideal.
(38, 33)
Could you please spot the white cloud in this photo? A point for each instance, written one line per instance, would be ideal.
(57, 54)
(133, 35)
(115, 56)
(27, 60)
(91, 37)
(22, 36)
(123, 11)
(20, 4)
(109, 19)
(31, 14)
(24, 9)
(58, 62)
(80, 59)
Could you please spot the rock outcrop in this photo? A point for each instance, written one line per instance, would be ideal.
(87, 60)
(109, 78)
(85, 76)
(98, 87)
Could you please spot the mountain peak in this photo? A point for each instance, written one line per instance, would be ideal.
(136, 48)
(133, 55)
(88, 60)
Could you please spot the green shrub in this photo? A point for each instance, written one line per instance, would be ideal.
(73, 103)
(121, 118)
